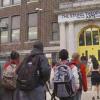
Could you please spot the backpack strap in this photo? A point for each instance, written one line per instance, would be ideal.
(28, 58)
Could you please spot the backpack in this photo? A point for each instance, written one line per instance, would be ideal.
(9, 77)
(28, 74)
(64, 81)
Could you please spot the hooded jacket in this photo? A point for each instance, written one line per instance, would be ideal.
(83, 72)
(43, 61)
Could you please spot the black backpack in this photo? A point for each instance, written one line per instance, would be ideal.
(28, 73)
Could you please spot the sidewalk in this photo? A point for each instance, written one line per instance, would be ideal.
(88, 95)
(85, 96)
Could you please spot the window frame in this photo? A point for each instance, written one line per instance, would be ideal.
(30, 26)
(57, 32)
(4, 29)
(12, 39)
(90, 29)
(88, 39)
(15, 3)
(83, 34)
(12, 29)
(7, 37)
(33, 34)
(2, 3)
(28, 1)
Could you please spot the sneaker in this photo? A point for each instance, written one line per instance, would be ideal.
(93, 98)
(98, 97)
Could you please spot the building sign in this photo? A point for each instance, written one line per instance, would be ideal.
(77, 16)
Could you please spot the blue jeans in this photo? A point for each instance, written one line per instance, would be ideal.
(78, 95)
(36, 94)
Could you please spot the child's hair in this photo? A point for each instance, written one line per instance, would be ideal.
(63, 54)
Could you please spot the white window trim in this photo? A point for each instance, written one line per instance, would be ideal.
(32, 1)
(19, 35)
(16, 3)
(28, 34)
(54, 42)
(7, 38)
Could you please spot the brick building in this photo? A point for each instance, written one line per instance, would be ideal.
(24, 21)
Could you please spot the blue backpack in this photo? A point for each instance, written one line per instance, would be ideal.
(64, 81)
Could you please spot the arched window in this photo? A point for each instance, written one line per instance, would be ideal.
(81, 39)
(89, 36)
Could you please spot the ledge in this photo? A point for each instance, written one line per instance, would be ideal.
(32, 1)
(54, 42)
(11, 43)
(78, 8)
(13, 5)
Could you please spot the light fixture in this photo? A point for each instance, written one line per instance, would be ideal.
(38, 9)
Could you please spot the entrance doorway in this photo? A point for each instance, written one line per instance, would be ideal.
(89, 41)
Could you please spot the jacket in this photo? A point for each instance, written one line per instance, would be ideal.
(76, 76)
(38, 93)
(83, 72)
(43, 64)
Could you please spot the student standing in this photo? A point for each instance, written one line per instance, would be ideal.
(82, 75)
(95, 77)
(9, 76)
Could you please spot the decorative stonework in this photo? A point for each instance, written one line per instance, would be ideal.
(72, 7)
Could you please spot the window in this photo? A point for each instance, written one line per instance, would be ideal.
(32, 31)
(55, 32)
(81, 39)
(90, 36)
(99, 55)
(0, 3)
(15, 35)
(15, 28)
(31, 34)
(6, 2)
(95, 36)
(16, 1)
(4, 30)
(4, 36)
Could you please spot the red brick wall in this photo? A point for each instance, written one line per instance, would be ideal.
(45, 19)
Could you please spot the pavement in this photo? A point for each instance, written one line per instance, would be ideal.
(85, 95)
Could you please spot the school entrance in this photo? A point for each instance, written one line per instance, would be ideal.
(89, 41)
